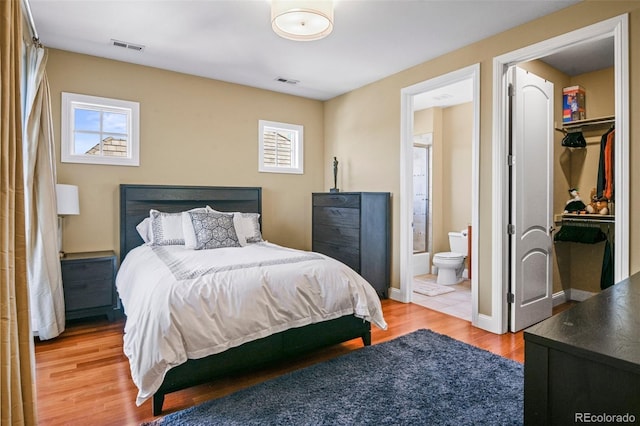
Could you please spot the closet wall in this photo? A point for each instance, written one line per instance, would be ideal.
(581, 264)
(577, 266)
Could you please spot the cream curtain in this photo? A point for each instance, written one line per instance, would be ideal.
(43, 263)
(16, 344)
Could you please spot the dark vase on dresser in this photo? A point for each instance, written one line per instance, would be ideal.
(355, 228)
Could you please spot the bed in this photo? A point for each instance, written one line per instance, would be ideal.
(144, 285)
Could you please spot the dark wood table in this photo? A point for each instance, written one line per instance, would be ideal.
(585, 362)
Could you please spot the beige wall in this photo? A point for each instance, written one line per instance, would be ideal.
(370, 117)
(457, 143)
(193, 131)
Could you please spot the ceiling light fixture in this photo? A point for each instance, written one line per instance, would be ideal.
(302, 20)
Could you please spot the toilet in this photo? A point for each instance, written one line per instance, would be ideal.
(451, 264)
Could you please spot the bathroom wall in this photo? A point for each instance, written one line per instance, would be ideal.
(451, 168)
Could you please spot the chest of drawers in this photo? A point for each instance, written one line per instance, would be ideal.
(354, 228)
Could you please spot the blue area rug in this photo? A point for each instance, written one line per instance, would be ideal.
(422, 378)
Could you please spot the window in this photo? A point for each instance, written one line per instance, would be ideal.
(281, 147)
(99, 130)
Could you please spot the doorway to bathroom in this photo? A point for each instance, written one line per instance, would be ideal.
(439, 187)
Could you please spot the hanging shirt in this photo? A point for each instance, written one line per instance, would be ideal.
(606, 157)
(608, 166)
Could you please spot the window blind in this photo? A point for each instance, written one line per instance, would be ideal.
(278, 149)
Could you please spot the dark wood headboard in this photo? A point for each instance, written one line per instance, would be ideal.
(137, 200)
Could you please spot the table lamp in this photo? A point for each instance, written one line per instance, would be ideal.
(67, 204)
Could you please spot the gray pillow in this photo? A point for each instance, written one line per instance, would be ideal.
(213, 230)
(247, 228)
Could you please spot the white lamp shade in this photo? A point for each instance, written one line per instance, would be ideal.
(67, 200)
(302, 20)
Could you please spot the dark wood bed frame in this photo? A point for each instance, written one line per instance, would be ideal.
(135, 203)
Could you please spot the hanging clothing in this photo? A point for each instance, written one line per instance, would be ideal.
(580, 234)
(606, 277)
(606, 166)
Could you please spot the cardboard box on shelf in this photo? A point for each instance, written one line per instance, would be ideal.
(574, 104)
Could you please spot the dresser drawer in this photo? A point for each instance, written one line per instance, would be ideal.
(83, 270)
(337, 216)
(337, 235)
(337, 200)
(87, 294)
(349, 255)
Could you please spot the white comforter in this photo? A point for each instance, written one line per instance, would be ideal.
(183, 303)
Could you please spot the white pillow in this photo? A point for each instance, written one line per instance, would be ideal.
(144, 230)
(188, 231)
(166, 228)
(247, 228)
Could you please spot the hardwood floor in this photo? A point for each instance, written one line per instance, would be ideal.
(82, 377)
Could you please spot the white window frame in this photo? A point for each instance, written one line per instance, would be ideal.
(297, 147)
(73, 101)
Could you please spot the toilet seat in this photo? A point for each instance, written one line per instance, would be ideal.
(449, 256)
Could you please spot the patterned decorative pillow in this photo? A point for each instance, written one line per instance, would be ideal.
(213, 230)
(247, 227)
(166, 228)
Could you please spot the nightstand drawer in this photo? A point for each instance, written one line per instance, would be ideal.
(87, 271)
(85, 294)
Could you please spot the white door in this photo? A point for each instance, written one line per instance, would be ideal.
(531, 198)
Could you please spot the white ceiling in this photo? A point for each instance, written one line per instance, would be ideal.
(232, 40)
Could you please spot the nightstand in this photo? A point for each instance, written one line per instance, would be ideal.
(88, 280)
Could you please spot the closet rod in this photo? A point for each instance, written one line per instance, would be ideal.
(32, 24)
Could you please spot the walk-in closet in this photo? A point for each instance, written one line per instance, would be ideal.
(584, 165)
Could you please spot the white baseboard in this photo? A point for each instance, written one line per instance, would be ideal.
(559, 298)
(396, 294)
(571, 294)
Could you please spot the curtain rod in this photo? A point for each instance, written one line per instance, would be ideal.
(32, 24)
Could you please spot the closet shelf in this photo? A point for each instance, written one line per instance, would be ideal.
(588, 124)
(588, 218)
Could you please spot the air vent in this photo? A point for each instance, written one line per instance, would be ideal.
(126, 45)
(286, 80)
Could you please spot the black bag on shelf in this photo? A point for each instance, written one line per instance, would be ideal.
(580, 234)
(574, 140)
